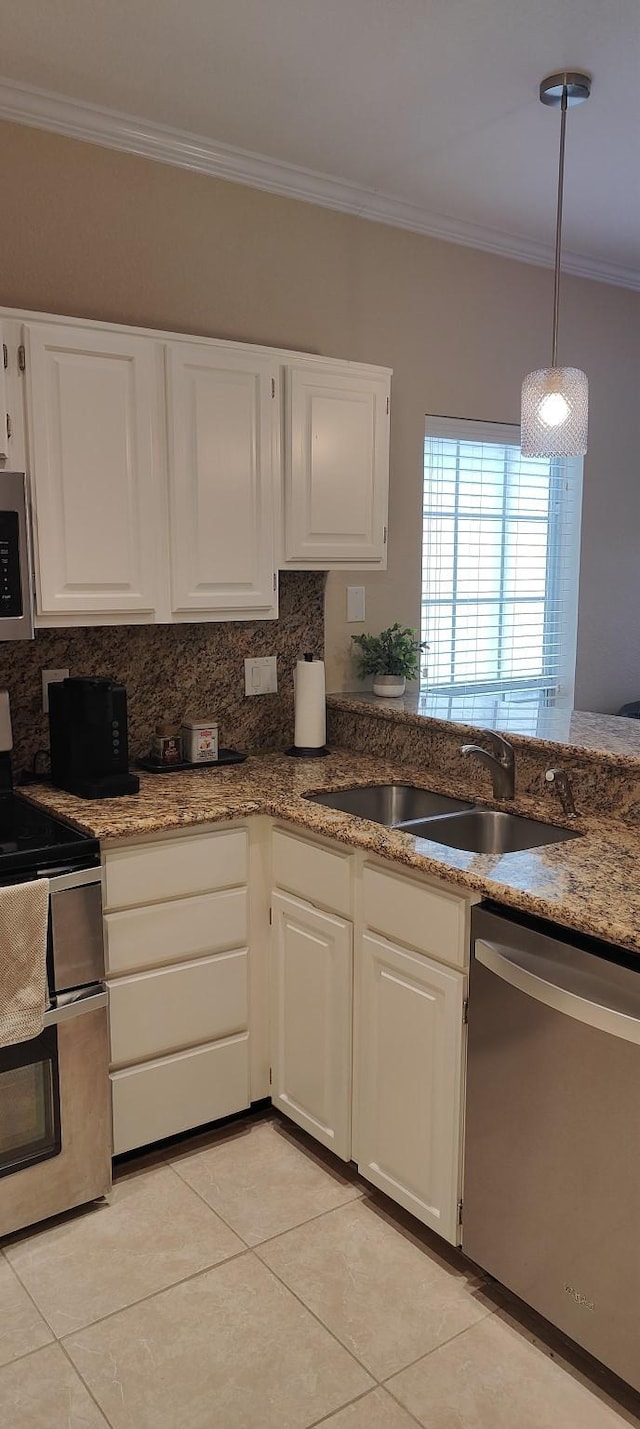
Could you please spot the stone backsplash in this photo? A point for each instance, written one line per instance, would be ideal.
(173, 670)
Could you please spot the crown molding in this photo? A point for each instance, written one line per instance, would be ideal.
(111, 129)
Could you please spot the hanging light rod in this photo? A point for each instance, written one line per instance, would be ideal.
(562, 91)
(555, 399)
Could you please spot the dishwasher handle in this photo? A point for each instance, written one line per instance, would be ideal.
(569, 985)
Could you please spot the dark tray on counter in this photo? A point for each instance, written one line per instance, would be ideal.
(225, 756)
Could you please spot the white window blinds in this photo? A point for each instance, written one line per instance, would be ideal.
(501, 539)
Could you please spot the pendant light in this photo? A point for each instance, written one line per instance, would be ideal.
(555, 399)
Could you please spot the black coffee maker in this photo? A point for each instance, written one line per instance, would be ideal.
(89, 738)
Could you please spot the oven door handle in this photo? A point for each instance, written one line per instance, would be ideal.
(514, 966)
(75, 1004)
(60, 880)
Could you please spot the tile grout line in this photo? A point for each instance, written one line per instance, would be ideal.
(245, 1249)
(253, 1245)
(317, 1423)
(320, 1322)
(66, 1334)
(83, 1381)
(386, 1383)
(39, 1313)
(56, 1344)
(376, 1383)
(225, 1222)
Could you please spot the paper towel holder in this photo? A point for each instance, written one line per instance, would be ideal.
(299, 751)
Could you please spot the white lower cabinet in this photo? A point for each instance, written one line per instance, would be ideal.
(403, 1123)
(178, 950)
(173, 1094)
(176, 1007)
(311, 1001)
(365, 981)
(409, 1081)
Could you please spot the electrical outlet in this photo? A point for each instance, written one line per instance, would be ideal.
(261, 676)
(50, 677)
(355, 604)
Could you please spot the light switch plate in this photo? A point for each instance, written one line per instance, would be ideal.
(50, 677)
(355, 604)
(261, 675)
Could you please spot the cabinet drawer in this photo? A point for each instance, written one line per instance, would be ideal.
(429, 920)
(176, 1093)
(168, 932)
(315, 874)
(156, 1012)
(174, 868)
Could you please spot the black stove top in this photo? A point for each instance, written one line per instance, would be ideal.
(33, 841)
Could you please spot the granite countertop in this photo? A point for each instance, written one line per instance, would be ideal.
(577, 731)
(591, 884)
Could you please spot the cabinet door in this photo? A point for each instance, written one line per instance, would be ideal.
(311, 1020)
(337, 468)
(222, 412)
(94, 426)
(410, 1024)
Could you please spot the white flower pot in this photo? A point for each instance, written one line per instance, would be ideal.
(389, 686)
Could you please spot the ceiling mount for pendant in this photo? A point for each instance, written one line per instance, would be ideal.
(577, 85)
(555, 399)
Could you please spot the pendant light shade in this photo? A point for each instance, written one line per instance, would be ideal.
(555, 412)
(555, 400)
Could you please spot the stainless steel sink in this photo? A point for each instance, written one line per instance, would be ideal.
(488, 831)
(389, 804)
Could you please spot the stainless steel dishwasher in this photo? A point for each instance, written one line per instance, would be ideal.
(551, 1200)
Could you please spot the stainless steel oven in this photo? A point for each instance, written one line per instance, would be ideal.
(55, 1138)
(16, 569)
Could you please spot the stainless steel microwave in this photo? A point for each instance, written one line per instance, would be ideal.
(16, 570)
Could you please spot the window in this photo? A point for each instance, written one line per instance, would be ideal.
(500, 561)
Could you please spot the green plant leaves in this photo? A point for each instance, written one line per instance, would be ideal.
(395, 651)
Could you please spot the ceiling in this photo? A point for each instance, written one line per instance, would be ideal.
(422, 112)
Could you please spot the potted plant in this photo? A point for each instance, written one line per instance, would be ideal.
(392, 657)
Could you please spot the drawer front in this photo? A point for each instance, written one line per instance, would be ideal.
(315, 874)
(431, 921)
(156, 1012)
(141, 938)
(175, 868)
(176, 1093)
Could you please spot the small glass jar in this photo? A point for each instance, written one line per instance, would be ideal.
(166, 744)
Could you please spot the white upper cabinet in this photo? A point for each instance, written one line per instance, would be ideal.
(223, 431)
(95, 463)
(336, 466)
(170, 482)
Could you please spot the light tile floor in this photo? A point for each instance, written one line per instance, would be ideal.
(244, 1280)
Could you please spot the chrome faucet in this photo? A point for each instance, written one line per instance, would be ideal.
(559, 780)
(500, 761)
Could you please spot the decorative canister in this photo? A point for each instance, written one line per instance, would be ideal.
(199, 741)
(166, 743)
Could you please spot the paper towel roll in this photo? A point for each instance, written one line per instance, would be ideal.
(310, 705)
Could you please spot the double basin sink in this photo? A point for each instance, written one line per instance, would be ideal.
(455, 823)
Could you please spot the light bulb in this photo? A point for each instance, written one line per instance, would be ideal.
(554, 409)
(554, 412)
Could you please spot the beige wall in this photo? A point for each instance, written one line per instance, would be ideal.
(95, 233)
